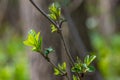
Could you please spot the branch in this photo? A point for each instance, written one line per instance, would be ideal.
(44, 14)
(58, 26)
(53, 65)
(75, 35)
(66, 49)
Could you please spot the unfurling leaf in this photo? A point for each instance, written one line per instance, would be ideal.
(53, 28)
(61, 69)
(34, 40)
(48, 50)
(88, 59)
(52, 16)
(62, 66)
(92, 58)
(91, 69)
(55, 9)
(75, 77)
(56, 72)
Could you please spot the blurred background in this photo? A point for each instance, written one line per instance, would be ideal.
(97, 23)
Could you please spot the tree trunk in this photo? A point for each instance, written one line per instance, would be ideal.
(106, 24)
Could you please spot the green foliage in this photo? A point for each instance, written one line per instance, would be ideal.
(80, 67)
(108, 55)
(55, 15)
(5, 73)
(34, 40)
(75, 77)
(48, 51)
(61, 67)
(53, 28)
(55, 11)
(56, 72)
(12, 56)
(88, 59)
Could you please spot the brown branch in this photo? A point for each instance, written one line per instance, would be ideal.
(57, 26)
(74, 34)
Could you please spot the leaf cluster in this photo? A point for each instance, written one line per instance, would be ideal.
(83, 67)
(62, 68)
(55, 15)
(34, 40)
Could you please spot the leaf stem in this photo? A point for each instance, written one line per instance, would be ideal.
(53, 65)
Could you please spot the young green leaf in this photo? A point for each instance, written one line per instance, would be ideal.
(53, 28)
(91, 69)
(56, 72)
(55, 12)
(48, 50)
(55, 9)
(62, 66)
(77, 68)
(52, 8)
(88, 59)
(92, 57)
(34, 40)
(52, 16)
(75, 77)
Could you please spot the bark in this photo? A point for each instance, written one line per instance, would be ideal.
(3, 8)
(116, 14)
(106, 24)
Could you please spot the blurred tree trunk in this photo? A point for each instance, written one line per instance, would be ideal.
(116, 14)
(9, 16)
(106, 24)
(79, 17)
(3, 8)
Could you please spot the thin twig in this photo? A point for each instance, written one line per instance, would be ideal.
(48, 60)
(44, 14)
(57, 26)
(53, 65)
(59, 30)
(66, 49)
(78, 43)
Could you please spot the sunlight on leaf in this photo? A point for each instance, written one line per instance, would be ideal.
(34, 40)
(56, 72)
(53, 28)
